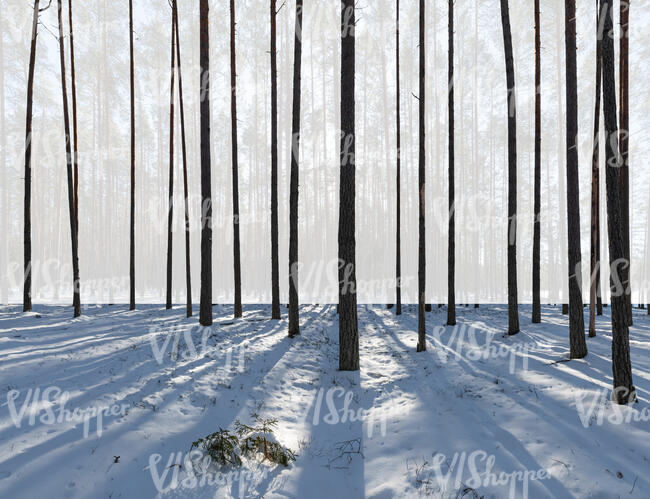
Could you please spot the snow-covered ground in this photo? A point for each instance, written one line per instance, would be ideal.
(479, 414)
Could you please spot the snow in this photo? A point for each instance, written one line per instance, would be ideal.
(478, 414)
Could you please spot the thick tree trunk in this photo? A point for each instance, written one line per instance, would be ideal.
(451, 255)
(348, 327)
(206, 187)
(621, 364)
(594, 289)
(170, 212)
(537, 307)
(275, 262)
(76, 299)
(188, 267)
(576, 312)
(513, 311)
(132, 214)
(27, 233)
(294, 320)
(235, 167)
(422, 341)
(398, 238)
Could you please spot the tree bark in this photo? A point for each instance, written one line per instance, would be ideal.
(398, 239)
(594, 289)
(75, 160)
(513, 312)
(235, 168)
(76, 298)
(537, 307)
(132, 214)
(348, 327)
(27, 232)
(451, 255)
(621, 364)
(422, 341)
(188, 267)
(275, 272)
(576, 312)
(294, 320)
(170, 212)
(206, 187)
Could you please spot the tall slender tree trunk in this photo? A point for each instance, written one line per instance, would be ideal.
(188, 267)
(537, 231)
(76, 299)
(398, 238)
(27, 233)
(513, 311)
(75, 142)
(170, 212)
(132, 215)
(206, 187)
(235, 168)
(422, 262)
(451, 256)
(621, 365)
(594, 288)
(275, 258)
(294, 320)
(624, 138)
(348, 327)
(576, 312)
(4, 251)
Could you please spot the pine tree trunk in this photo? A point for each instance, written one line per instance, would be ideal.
(451, 256)
(206, 187)
(621, 365)
(594, 290)
(294, 320)
(513, 312)
(27, 234)
(188, 267)
(235, 167)
(537, 307)
(76, 299)
(170, 212)
(422, 341)
(576, 312)
(348, 327)
(275, 272)
(132, 214)
(398, 239)
(75, 160)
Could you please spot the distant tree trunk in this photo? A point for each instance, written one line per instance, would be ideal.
(451, 256)
(76, 299)
(594, 289)
(398, 239)
(132, 220)
(235, 168)
(513, 312)
(27, 234)
(348, 327)
(188, 267)
(74, 123)
(624, 138)
(275, 262)
(3, 168)
(294, 320)
(621, 366)
(206, 187)
(576, 312)
(537, 307)
(170, 212)
(422, 341)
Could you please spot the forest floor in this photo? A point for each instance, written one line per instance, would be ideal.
(480, 414)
